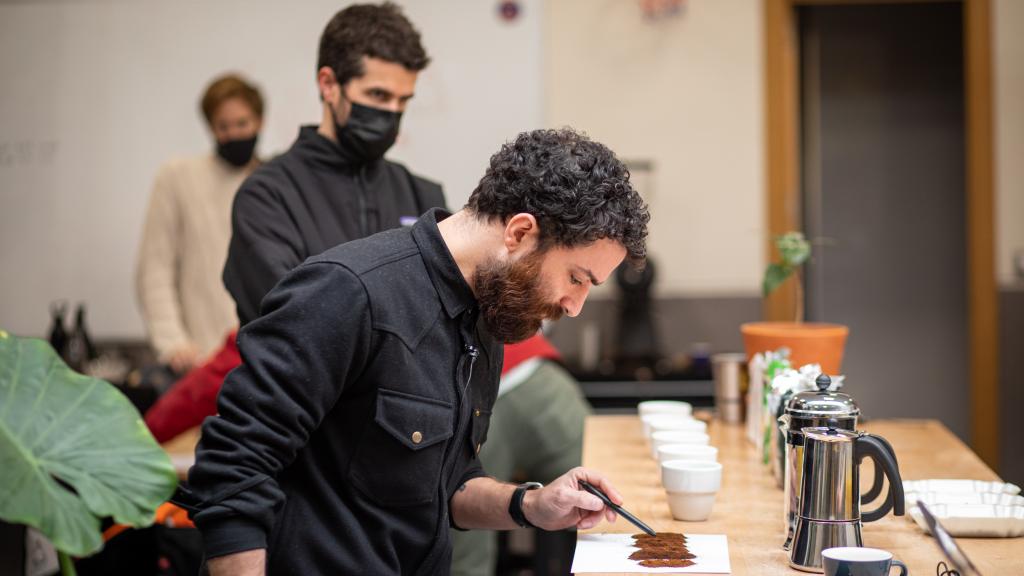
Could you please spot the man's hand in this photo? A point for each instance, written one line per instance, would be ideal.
(563, 503)
(248, 563)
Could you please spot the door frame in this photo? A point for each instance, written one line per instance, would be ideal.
(784, 203)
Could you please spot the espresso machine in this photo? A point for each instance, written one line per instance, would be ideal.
(828, 509)
(810, 409)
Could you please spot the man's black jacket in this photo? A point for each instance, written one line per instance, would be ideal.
(307, 200)
(363, 397)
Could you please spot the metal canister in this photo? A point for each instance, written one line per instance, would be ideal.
(729, 371)
(778, 441)
(809, 409)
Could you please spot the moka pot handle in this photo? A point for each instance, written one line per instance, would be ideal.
(881, 453)
(876, 484)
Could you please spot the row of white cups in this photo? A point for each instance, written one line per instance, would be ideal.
(690, 471)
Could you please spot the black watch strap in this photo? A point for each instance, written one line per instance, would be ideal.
(515, 506)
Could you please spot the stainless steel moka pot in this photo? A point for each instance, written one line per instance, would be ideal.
(810, 409)
(829, 513)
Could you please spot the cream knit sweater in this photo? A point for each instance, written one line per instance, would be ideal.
(181, 257)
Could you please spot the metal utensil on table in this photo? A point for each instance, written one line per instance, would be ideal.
(962, 565)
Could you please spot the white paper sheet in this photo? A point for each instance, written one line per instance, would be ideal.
(610, 553)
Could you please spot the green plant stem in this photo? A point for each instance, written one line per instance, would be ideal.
(799, 278)
(67, 567)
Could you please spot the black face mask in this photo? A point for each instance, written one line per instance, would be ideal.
(238, 153)
(368, 134)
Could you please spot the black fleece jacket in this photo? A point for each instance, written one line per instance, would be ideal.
(307, 200)
(364, 395)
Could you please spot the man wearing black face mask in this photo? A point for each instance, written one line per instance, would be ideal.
(188, 225)
(334, 185)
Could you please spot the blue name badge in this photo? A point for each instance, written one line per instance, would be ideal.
(407, 220)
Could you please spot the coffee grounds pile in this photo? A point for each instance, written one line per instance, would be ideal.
(666, 563)
(666, 550)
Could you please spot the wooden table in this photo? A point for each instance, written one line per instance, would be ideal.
(748, 509)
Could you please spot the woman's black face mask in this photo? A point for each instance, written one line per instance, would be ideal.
(238, 153)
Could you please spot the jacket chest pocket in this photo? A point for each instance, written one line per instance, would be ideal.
(399, 461)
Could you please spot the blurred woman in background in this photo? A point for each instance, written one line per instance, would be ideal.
(182, 299)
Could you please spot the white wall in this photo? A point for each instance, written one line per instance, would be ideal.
(685, 92)
(1008, 78)
(97, 94)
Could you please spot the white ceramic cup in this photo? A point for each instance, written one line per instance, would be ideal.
(860, 561)
(655, 422)
(687, 452)
(691, 486)
(663, 437)
(649, 407)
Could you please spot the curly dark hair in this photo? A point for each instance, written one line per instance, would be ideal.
(378, 31)
(576, 188)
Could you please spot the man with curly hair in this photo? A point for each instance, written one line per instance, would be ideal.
(347, 441)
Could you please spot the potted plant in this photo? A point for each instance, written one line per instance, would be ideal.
(73, 450)
(807, 342)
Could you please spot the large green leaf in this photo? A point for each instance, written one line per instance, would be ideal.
(60, 429)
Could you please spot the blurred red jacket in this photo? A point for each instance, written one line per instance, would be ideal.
(194, 397)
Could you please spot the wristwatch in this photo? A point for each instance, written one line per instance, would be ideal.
(515, 507)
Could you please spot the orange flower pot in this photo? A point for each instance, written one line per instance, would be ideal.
(808, 342)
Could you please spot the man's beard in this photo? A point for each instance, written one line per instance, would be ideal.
(512, 303)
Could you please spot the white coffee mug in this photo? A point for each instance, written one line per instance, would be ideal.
(658, 422)
(648, 407)
(859, 561)
(691, 486)
(700, 452)
(663, 437)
